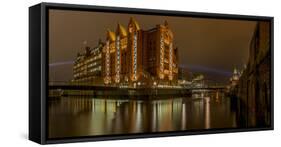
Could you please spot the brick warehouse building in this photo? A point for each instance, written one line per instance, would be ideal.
(135, 57)
(87, 65)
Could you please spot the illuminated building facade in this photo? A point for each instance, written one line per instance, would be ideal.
(235, 77)
(135, 57)
(87, 66)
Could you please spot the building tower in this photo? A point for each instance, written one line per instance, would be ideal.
(167, 54)
(120, 53)
(108, 57)
(134, 51)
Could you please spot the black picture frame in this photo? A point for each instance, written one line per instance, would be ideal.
(38, 70)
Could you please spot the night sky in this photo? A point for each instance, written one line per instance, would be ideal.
(211, 46)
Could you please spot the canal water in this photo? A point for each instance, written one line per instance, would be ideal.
(76, 116)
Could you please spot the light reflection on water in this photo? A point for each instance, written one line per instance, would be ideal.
(73, 117)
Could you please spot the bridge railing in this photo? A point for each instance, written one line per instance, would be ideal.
(63, 83)
(191, 86)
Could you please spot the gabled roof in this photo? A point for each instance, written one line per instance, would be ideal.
(121, 30)
(111, 35)
(135, 23)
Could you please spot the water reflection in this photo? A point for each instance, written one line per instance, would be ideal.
(73, 116)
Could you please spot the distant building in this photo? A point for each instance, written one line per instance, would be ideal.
(88, 65)
(198, 80)
(235, 77)
(183, 74)
(135, 57)
(183, 77)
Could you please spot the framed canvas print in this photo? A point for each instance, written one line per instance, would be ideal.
(99, 73)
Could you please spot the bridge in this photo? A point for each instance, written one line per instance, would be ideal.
(89, 86)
